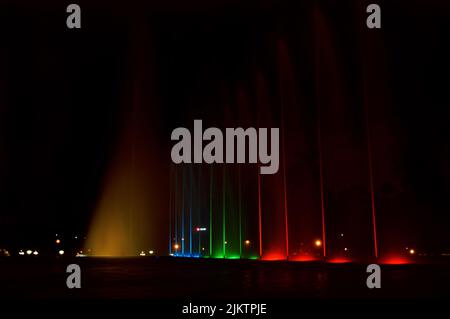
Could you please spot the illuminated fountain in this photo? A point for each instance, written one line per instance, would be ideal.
(122, 221)
(132, 203)
(231, 211)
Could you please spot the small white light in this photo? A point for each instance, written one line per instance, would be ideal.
(35, 253)
(345, 249)
(142, 253)
(21, 253)
(61, 252)
(151, 252)
(29, 252)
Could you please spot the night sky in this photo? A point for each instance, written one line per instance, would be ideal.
(67, 96)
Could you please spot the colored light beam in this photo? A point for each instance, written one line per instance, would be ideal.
(170, 210)
(372, 191)
(176, 206)
(283, 150)
(259, 215)
(224, 238)
(319, 142)
(211, 180)
(182, 213)
(322, 196)
(371, 182)
(240, 210)
(190, 208)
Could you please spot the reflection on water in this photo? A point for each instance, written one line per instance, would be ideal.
(207, 278)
